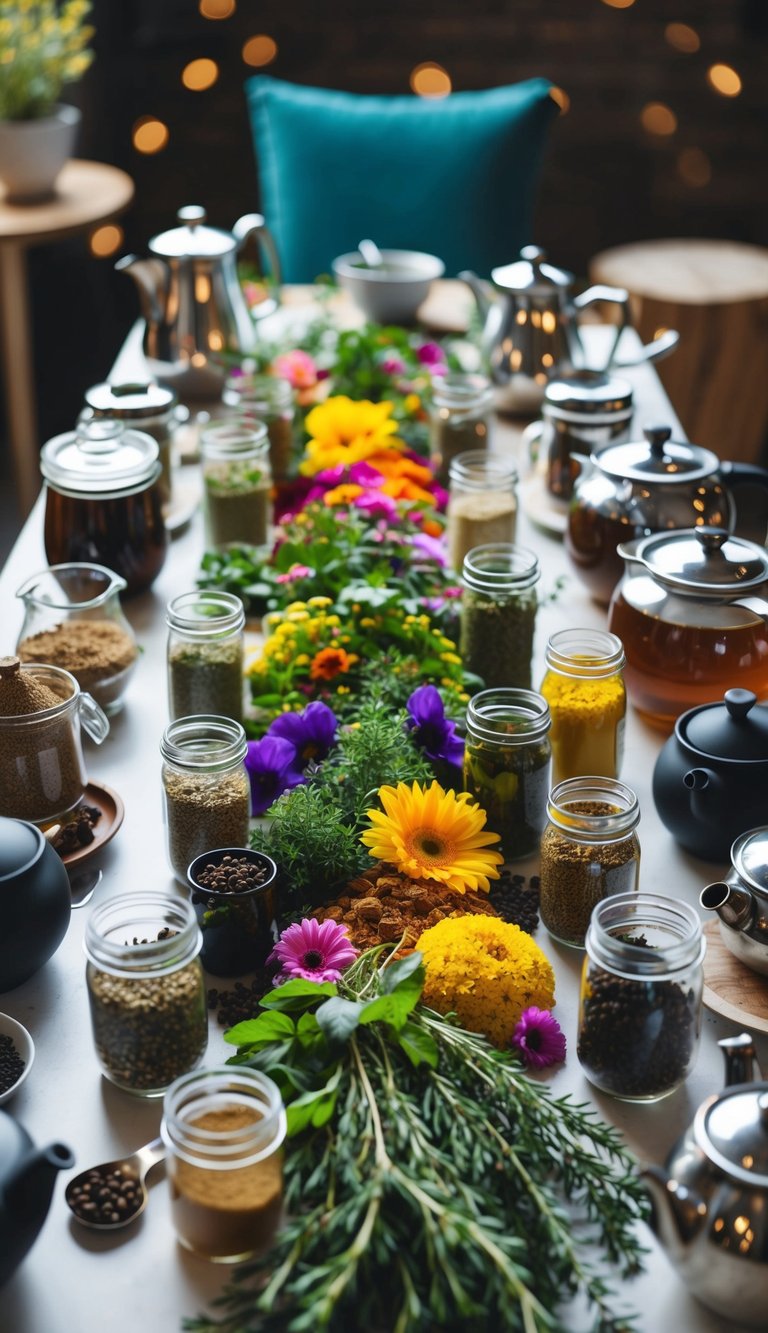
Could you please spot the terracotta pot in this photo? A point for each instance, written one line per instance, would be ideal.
(33, 152)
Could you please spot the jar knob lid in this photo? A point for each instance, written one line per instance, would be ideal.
(534, 254)
(9, 666)
(657, 437)
(739, 702)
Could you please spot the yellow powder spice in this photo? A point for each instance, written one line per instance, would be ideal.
(587, 724)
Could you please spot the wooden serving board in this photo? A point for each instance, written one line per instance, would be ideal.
(732, 989)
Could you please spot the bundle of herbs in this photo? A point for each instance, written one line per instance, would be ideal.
(429, 1182)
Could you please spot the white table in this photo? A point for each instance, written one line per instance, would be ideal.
(75, 1281)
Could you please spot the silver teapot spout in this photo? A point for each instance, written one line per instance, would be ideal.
(151, 278)
(481, 290)
(678, 1214)
(733, 903)
(740, 1059)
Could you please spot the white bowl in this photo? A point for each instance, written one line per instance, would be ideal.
(25, 1047)
(393, 293)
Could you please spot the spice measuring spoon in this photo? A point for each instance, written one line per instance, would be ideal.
(127, 1195)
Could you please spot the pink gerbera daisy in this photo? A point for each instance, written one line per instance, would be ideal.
(538, 1038)
(314, 950)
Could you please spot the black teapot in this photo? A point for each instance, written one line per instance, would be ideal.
(35, 902)
(711, 776)
(27, 1177)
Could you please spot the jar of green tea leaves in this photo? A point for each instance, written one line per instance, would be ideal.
(205, 654)
(507, 763)
(498, 614)
(460, 419)
(268, 399)
(482, 504)
(237, 482)
(207, 794)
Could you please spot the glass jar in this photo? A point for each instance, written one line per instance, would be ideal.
(151, 408)
(482, 506)
(581, 412)
(237, 481)
(269, 399)
(207, 795)
(585, 689)
(641, 989)
(146, 990)
(498, 614)
(506, 765)
(205, 655)
(589, 850)
(460, 419)
(104, 501)
(223, 1130)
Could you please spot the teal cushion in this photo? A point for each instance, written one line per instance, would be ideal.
(454, 177)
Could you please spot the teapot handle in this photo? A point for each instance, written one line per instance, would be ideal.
(94, 720)
(253, 224)
(617, 296)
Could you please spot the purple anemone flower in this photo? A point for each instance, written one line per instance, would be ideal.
(311, 733)
(538, 1038)
(272, 766)
(432, 730)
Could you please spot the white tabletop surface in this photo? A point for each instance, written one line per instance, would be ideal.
(75, 1281)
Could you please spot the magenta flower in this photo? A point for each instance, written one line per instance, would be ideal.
(376, 505)
(313, 950)
(298, 368)
(295, 572)
(431, 729)
(431, 354)
(272, 768)
(539, 1039)
(433, 548)
(311, 733)
(392, 365)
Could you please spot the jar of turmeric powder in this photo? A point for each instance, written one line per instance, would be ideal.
(584, 688)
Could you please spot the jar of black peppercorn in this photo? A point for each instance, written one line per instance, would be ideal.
(641, 991)
(146, 990)
(507, 759)
(498, 614)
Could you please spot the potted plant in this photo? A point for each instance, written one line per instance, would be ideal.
(42, 48)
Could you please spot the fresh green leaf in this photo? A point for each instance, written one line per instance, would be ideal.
(418, 1045)
(394, 1008)
(255, 1031)
(297, 995)
(338, 1018)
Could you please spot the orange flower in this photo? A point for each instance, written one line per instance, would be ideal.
(343, 494)
(330, 662)
(400, 488)
(432, 528)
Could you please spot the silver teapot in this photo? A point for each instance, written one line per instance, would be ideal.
(710, 1204)
(741, 899)
(532, 331)
(192, 301)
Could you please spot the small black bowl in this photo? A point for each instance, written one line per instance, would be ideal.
(239, 929)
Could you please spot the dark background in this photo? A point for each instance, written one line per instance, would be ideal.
(606, 180)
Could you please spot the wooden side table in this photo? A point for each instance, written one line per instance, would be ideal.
(716, 294)
(86, 193)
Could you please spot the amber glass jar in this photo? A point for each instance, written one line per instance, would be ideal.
(104, 501)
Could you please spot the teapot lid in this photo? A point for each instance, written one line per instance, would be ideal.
(192, 240)
(737, 728)
(657, 459)
(20, 846)
(749, 857)
(130, 400)
(732, 1130)
(704, 561)
(530, 275)
(588, 392)
(99, 457)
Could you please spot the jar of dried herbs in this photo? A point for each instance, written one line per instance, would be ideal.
(268, 399)
(460, 419)
(641, 990)
(507, 764)
(482, 507)
(146, 990)
(584, 687)
(205, 654)
(589, 851)
(207, 794)
(237, 482)
(498, 614)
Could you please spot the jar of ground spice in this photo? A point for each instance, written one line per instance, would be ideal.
(584, 687)
(482, 506)
(498, 614)
(146, 990)
(641, 990)
(223, 1130)
(460, 419)
(205, 654)
(589, 851)
(507, 764)
(237, 482)
(207, 794)
(268, 399)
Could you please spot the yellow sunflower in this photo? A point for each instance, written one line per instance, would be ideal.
(429, 833)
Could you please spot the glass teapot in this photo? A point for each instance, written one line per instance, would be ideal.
(692, 613)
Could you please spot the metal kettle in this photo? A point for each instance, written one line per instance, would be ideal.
(192, 301)
(531, 328)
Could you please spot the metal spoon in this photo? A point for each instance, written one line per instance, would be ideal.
(371, 254)
(82, 884)
(135, 1168)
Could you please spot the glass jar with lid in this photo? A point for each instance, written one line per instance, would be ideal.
(223, 1130)
(104, 501)
(205, 654)
(581, 412)
(482, 507)
(641, 992)
(498, 614)
(507, 764)
(589, 850)
(207, 794)
(269, 399)
(584, 687)
(460, 419)
(146, 990)
(151, 408)
(237, 479)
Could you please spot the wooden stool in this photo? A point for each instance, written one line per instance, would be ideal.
(716, 294)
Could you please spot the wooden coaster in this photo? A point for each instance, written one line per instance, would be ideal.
(730, 987)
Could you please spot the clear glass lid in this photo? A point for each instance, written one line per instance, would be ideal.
(100, 456)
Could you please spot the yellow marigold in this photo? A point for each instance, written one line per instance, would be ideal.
(342, 495)
(319, 601)
(429, 833)
(487, 972)
(330, 662)
(342, 431)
